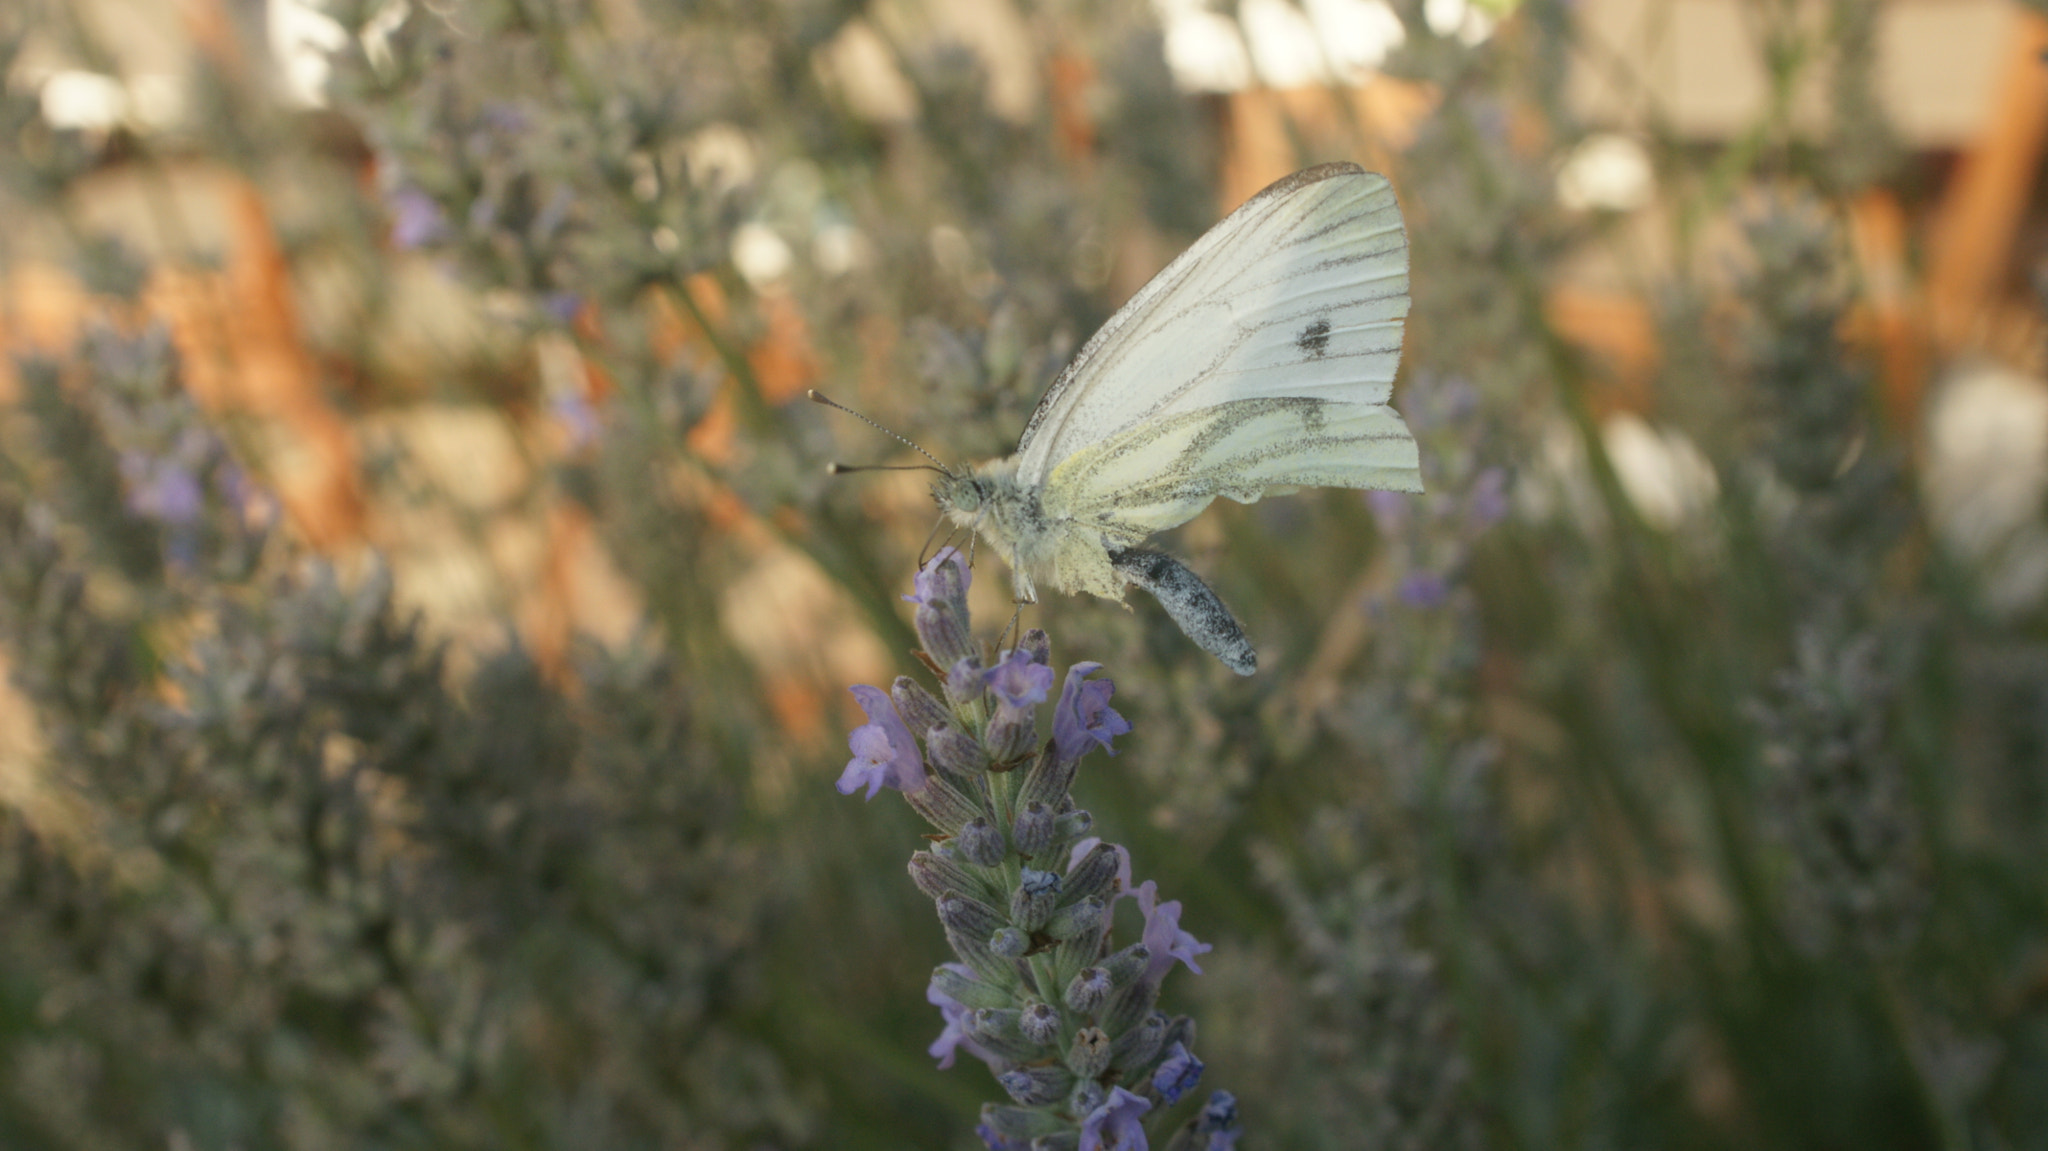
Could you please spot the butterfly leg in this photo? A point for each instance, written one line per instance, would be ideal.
(1191, 603)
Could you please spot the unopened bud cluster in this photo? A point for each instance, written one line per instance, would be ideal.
(1065, 1019)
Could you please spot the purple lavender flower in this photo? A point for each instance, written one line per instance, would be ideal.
(510, 119)
(884, 755)
(1018, 681)
(954, 1036)
(1489, 498)
(579, 421)
(1424, 590)
(1083, 718)
(1389, 510)
(1218, 1121)
(1164, 936)
(416, 220)
(162, 489)
(1115, 1125)
(562, 306)
(1178, 1074)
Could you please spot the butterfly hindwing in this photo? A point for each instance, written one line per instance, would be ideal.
(1163, 472)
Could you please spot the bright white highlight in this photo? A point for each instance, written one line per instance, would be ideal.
(1608, 172)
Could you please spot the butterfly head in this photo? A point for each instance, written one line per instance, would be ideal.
(961, 495)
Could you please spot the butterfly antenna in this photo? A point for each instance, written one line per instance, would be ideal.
(838, 469)
(818, 397)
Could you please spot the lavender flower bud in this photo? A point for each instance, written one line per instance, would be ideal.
(1073, 825)
(996, 1029)
(964, 684)
(1036, 896)
(1128, 1010)
(1096, 873)
(955, 751)
(1048, 779)
(942, 805)
(980, 842)
(1077, 920)
(973, 951)
(1010, 943)
(1040, 1023)
(1087, 992)
(1015, 1126)
(1035, 1086)
(1089, 1054)
(1039, 645)
(1087, 1096)
(920, 709)
(1125, 966)
(942, 627)
(939, 877)
(1010, 734)
(966, 990)
(1034, 830)
(1137, 1046)
(970, 917)
(1180, 1030)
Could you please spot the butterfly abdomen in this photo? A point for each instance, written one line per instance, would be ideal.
(1191, 603)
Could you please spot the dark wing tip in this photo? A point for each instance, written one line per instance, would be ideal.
(1307, 176)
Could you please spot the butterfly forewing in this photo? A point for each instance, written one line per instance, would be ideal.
(1299, 294)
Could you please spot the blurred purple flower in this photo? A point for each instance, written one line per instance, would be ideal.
(162, 489)
(954, 1037)
(1489, 498)
(254, 507)
(562, 306)
(1115, 1126)
(1018, 681)
(1389, 510)
(578, 419)
(416, 220)
(510, 119)
(1083, 717)
(884, 755)
(1164, 936)
(1424, 590)
(1219, 1122)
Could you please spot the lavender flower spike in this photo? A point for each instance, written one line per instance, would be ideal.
(1115, 1125)
(884, 754)
(1083, 719)
(1041, 993)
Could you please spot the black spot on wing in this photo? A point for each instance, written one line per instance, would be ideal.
(1314, 340)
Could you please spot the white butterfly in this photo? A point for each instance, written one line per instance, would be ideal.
(1261, 360)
